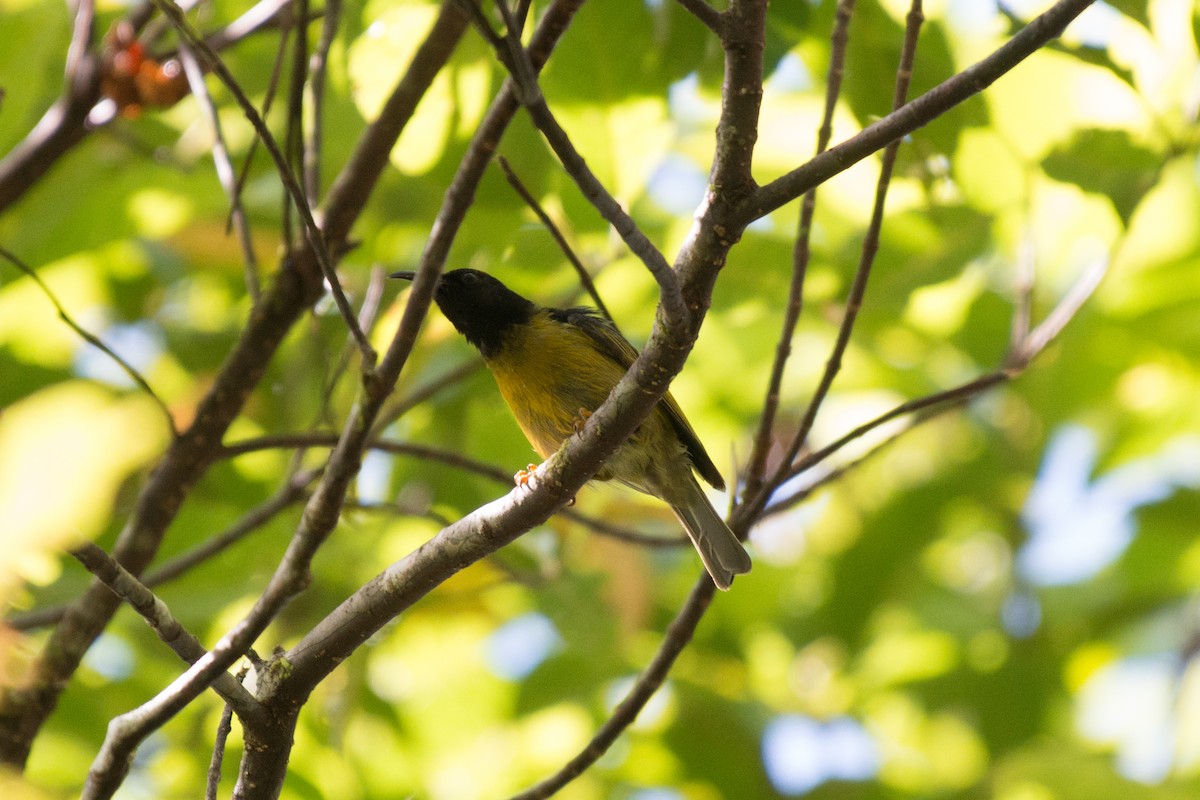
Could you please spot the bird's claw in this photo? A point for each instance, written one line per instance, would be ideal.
(581, 420)
(523, 477)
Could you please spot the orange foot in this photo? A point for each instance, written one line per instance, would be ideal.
(581, 420)
(524, 476)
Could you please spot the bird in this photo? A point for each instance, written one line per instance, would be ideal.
(554, 367)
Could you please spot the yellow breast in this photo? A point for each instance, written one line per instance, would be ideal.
(548, 372)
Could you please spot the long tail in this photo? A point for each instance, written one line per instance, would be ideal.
(721, 552)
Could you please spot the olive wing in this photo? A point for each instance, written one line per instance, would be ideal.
(610, 342)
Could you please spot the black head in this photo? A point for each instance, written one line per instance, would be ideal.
(480, 307)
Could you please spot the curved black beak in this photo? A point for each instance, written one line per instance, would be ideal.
(404, 275)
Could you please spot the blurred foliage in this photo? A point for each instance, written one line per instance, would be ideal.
(919, 628)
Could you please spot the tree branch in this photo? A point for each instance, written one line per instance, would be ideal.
(584, 277)
(162, 621)
(524, 79)
(93, 339)
(914, 115)
(858, 289)
(226, 174)
(756, 466)
(679, 634)
(23, 709)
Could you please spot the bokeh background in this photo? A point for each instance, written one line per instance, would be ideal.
(1000, 602)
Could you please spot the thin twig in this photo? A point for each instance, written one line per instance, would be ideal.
(858, 289)
(956, 394)
(268, 101)
(622, 534)
(83, 38)
(92, 339)
(1023, 289)
(1049, 329)
(224, 167)
(703, 12)
(400, 406)
(318, 65)
(224, 728)
(831, 474)
(288, 495)
(584, 277)
(366, 320)
(482, 24)
(757, 465)
(259, 17)
(678, 634)
(449, 458)
(312, 233)
(675, 310)
(294, 131)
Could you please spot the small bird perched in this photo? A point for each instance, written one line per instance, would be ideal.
(554, 366)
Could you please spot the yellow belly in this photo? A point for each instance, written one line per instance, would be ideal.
(548, 372)
(552, 377)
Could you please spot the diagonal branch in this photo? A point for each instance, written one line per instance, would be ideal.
(679, 634)
(224, 166)
(584, 277)
(313, 235)
(919, 112)
(93, 339)
(164, 623)
(524, 79)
